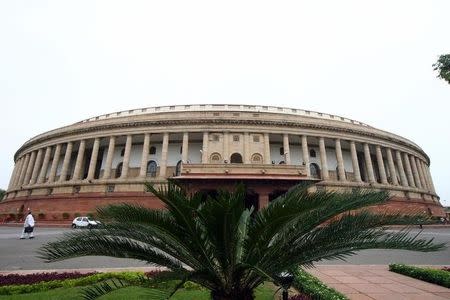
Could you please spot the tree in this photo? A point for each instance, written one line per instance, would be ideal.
(223, 246)
(443, 67)
(2, 194)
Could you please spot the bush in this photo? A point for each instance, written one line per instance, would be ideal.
(18, 279)
(76, 215)
(41, 216)
(65, 215)
(131, 277)
(310, 285)
(440, 277)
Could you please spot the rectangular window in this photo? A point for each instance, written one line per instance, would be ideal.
(256, 138)
(235, 138)
(214, 138)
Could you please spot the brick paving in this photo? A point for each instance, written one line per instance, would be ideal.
(368, 282)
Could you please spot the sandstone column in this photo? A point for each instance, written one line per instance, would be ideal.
(144, 156)
(355, 164)
(165, 148)
(109, 158)
(24, 169)
(226, 146)
(267, 158)
(380, 162)
(185, 147)
(415, 172)
(430, 179)
(11, 180)
(126, 157)
(204, 148)
(44, 168)
(340, 161)
(30, 168)
(66, 162)
(247, 153)
(369, 165)
(391, 166)
(93, 162)
(323, 159)
(55, 162)
(305, 154)
(20, 161)
(403, 179)
(17, 174)
(37, 166)
(409, 173)
(421, 175)
(287, 152)
(425, 177)
(79, 161)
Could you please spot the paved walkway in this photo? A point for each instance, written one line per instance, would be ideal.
(367, 282)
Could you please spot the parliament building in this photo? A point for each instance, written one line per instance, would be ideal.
(106, 159)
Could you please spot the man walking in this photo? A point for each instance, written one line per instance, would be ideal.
(28, 227)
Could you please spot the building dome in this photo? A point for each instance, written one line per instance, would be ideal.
(106, 159)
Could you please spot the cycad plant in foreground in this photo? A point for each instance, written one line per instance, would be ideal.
(221, 245)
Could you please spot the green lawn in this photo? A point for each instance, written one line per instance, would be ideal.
(263, 292)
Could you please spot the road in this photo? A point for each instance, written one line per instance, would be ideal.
(16, 254)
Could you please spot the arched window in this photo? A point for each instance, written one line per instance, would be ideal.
(215, 158)
(257, 158)
(119, 170)
(152, 150)
(312, 153)
(236, 158)
(151, 168)
(178, 168)
(314, 170)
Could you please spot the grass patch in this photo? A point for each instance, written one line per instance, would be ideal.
(263, 292)
(440, 277)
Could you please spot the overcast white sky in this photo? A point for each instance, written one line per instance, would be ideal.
(63, 61)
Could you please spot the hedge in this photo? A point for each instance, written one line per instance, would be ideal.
(440, 277)
(308, 284)
(132, 277)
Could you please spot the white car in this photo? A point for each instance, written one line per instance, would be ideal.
(85, 222)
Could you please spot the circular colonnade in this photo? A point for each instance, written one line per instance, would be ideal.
(106, 159)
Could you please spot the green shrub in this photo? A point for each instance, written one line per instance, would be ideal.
(132, 277)
(65, 215)
(76, 215)
(189, 285)
(440, 277)
(41, 216)
(308, 284)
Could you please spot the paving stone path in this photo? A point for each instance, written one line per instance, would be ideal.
(367, 282)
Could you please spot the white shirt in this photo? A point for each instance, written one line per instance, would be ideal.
(29, 221)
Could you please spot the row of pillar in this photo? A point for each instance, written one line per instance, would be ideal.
(32, 168)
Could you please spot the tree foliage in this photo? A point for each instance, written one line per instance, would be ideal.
(443, 67)
(229, 249)
(2, 194)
